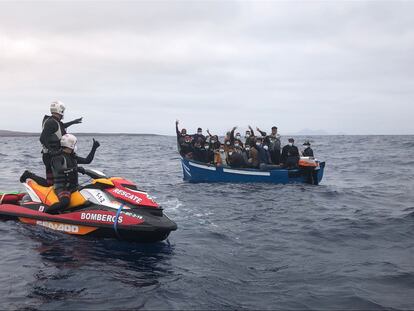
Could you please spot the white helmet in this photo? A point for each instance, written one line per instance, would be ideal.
(57, 107)
(69, 141)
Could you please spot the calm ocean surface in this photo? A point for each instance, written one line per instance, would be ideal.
(345, 244)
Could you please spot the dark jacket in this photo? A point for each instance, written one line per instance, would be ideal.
(308, 152)
(289, 154)
(236, 159)
(254, 157)
(264, 155)
(201, 155)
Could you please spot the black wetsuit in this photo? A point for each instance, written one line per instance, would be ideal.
(290, 156)
(52, 132)
(65, 175)
(308, 152)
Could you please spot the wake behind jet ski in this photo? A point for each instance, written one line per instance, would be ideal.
(107, 207)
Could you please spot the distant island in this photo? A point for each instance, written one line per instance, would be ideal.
(5, 133)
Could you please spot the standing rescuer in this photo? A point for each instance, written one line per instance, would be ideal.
(53, 130)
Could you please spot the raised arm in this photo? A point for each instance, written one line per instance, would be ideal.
(232, 135)
(91, 154)
(76, 121)
(261, 132)
(176, 128)
(251, 130)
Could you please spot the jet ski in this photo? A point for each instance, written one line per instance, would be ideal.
(108, 207)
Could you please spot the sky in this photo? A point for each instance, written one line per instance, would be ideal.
(136, 67)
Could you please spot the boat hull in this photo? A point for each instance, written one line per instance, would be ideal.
(197, 172)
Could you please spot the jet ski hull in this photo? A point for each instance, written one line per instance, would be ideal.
(96, 221)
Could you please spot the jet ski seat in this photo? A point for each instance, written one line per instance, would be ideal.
(48, 196)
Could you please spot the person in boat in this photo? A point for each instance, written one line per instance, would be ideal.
(245, 153)
(227, 145)
(290, 155)
(265, 162)
(200, 153)
(220, 156)
(254, 160)
(250, 137)
(199, 135)
(183, 141)
(65, 172)
(213, 141)
(209, 152)
(308, 152)
(273, 141)
(52, 131)
(230, 137)
(235, 159)
(237, 141)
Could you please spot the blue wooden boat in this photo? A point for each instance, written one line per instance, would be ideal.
(200, 172)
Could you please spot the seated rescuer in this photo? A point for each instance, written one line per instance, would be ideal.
(65, 171)
(290, 155)
(308, 152)
(52, 131)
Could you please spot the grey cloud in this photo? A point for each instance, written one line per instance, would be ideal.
(139, 65)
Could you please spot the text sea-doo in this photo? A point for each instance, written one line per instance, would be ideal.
(107, 207)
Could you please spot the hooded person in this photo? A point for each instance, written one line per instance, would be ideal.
(308, 152)
(290, 155)
(52, 131)
(65, 172)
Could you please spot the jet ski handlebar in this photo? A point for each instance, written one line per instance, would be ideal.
(95, 174)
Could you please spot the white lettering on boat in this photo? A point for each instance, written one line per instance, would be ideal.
(58, 226)
(100, 217)
(128, 195)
